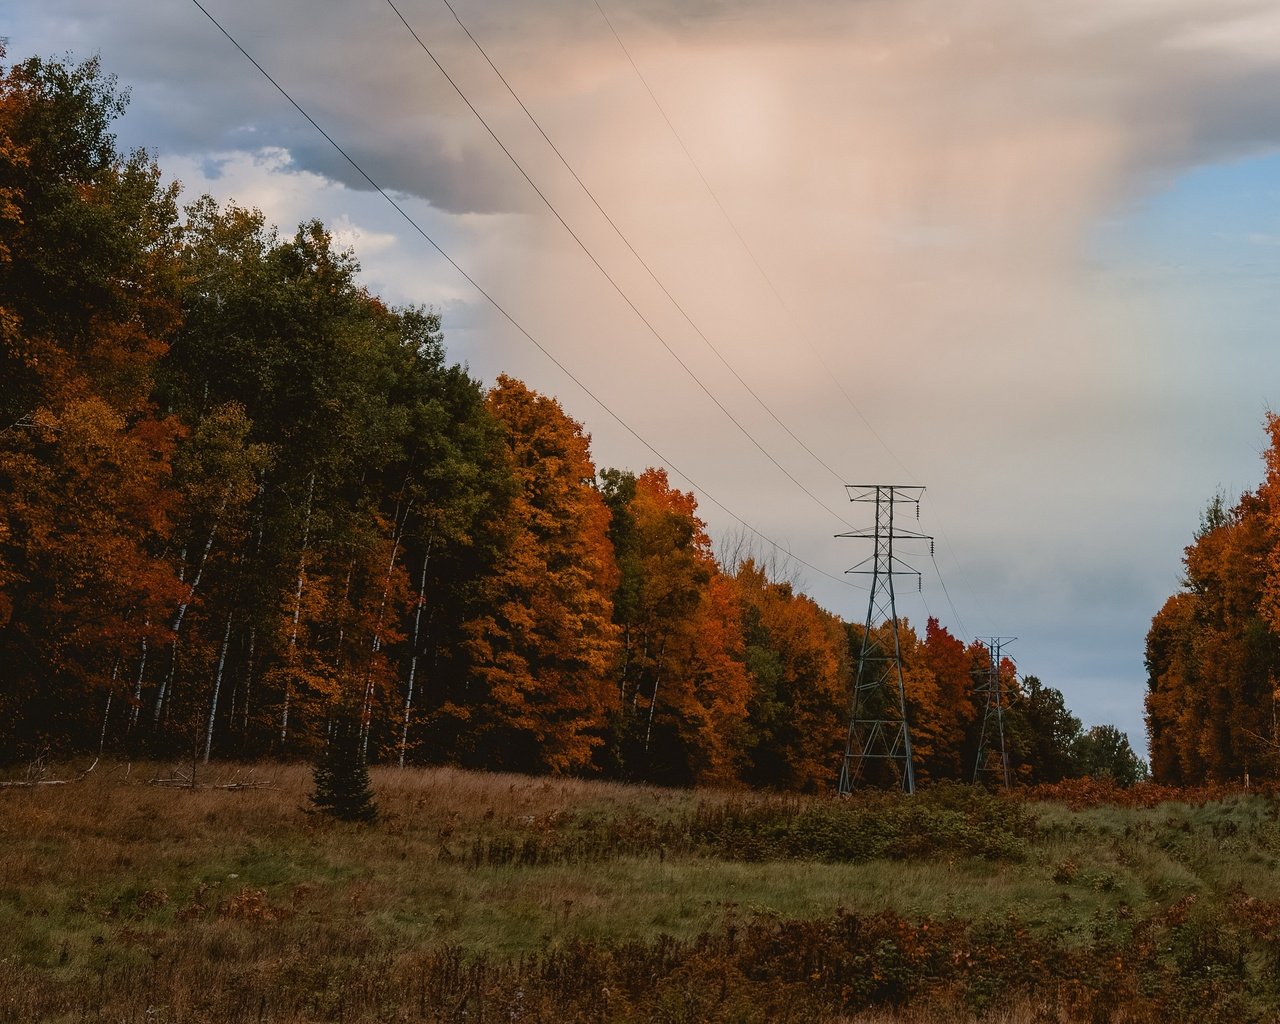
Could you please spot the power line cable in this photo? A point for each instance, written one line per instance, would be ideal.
(831, 374)
(665, 290)
(609, 277)
(537, 344)
(502, 309)
(627, 242)
(764, 274)
(947, 594)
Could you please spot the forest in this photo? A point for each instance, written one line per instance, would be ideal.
(246, 502)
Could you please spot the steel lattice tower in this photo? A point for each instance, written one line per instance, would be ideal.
(878, 730)
(993, 714)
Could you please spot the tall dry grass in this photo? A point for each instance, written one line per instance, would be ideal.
(492, 897)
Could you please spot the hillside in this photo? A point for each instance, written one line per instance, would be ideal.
(502, 897)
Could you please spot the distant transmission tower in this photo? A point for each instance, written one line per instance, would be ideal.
(992, 731)
(878, 723)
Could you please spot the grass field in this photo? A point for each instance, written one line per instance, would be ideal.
(492, 897)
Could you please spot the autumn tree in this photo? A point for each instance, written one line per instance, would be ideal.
(87, 299)
(948, 720)
(681, 683)
(798, 659)
(1212, 652)
(244, 502)
(542, 644)
(1172, 674)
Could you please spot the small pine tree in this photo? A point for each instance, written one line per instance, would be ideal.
(342, 777)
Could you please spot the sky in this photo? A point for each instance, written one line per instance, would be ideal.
(1019, 252)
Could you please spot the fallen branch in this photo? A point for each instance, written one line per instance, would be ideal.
(181, 780)
(178, 780)
(28, 783)
(35, 776)
(237, 783)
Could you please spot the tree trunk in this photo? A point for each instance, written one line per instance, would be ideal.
(626, 664)
(366, 710)
(653, 700)
(413, 659)
(137, 686)
(248, 682)
(106, 713)
(217, 686)
(297, 609)
(166, 687)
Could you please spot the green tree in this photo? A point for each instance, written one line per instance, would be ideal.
(1050, 732)
(1103, 751)
(342, 775)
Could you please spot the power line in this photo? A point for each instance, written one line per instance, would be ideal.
(947, 594)
(609, 277)
(627, 242)
(831, 374)
(764, 274)
(665, 290)
(405, 215)
(499, 307)
(640, 259)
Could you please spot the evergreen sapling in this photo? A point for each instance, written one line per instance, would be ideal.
(342, 776)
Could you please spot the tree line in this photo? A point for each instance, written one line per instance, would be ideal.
(1213, 651)
(246, 503)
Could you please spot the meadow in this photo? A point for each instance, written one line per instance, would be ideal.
(488, 897)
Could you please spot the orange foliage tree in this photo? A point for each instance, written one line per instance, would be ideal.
(951, 719)
(1212, 650)
(682, 686)
(87, 284)
(543, 645)
(231, 575)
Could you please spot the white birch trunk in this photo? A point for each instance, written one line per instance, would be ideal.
(166, 687)
(106, 713)
(248, 681)
(346, 600)
(217, 686)
(413, 659)
(137, 686)
(653, 700)
(297, 607)
(366, 710)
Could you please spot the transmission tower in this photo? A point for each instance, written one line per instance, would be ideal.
(878, 732)
(992, 730)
